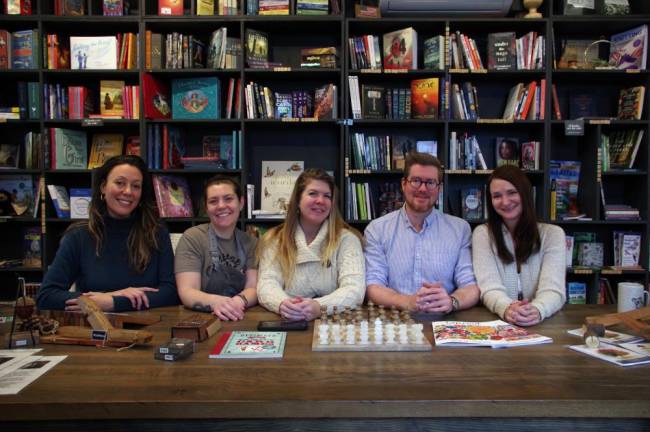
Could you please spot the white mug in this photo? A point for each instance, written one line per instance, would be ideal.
(631, 295)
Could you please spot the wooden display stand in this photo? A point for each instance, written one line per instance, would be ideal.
(102, 332)
(635, 320)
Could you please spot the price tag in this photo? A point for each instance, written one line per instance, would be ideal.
(92, 122)
(574, 128)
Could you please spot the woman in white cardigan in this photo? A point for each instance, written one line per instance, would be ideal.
(314, 258)
(519, 263)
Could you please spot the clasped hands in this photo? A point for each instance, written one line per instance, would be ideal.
(522, 313)
(298, 308)
(137, 297)
(431, 297)
(228, 308)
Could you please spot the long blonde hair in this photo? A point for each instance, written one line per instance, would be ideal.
(284, 234)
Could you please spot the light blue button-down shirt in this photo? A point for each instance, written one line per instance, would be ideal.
(399, 257)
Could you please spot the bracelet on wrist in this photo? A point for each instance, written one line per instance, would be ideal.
(455, 304)
(244, 299)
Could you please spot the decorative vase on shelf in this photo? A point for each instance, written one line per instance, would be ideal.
(532, 6)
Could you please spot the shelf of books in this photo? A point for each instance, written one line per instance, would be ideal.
(261, 89)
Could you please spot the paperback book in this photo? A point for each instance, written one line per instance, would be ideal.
(621, 355)
(172, 196)
(400, 49)
(611, 337)
(278, 178)
(629, 49)
(250, 344)
(93, 52)
(495, 334)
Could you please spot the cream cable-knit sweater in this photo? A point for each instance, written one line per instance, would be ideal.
(542, 275)
(341, 284)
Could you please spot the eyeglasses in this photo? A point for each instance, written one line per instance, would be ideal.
(416, 182)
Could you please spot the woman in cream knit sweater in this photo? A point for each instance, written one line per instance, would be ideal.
(519, 264)
(314, 258)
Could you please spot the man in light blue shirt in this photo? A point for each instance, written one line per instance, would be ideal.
(418, 258)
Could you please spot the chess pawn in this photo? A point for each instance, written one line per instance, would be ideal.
(335, 313)
(323, 333)
(323, 313)
(390, 333)
(336, 333)
(403, 333)
(349, 334)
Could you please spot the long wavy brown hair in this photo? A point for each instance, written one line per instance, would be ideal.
(284, 234)
(526, 235)
(143, 238)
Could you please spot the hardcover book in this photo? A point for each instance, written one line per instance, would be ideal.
(32, 247)
(196, 98)
(18, 7)
(71, 7)
(24, 49)
(257, 47)
(401, 49)
(576, 293)
(113, 7)
(156, 98)
(250, 344)
(425, 98)
(16, 195)
(60, 200)
(434, 53)
(70, 149)
(373, 102)
(9, 155)
(111, 98)
(278, 179)
(629, 49)
(472, 203)
(93, 52)
(103, 147)
(566, 175)
(325, 100)
(530, 155)
(495, 334)
(507, 151)
(630, 103)
(172, 196)
(79, 202)
(170, 7)
(502, 52)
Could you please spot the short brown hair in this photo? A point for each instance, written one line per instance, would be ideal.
(222, 179)
(425, 159)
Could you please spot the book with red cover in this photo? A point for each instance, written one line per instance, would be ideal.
(172, 196)
(425, 98)
(156, 98)
(5, 49)
(170, 7)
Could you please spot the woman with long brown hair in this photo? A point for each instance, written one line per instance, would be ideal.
(519, 263)
(314, 258)
(121, 257)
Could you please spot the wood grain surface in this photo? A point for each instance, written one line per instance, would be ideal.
(541, 382)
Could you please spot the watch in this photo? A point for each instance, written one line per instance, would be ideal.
(244, 299)
(455, 304)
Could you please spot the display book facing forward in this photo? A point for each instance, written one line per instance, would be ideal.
(614, 347)
(368, 329)
(495, 334)
(249, 344)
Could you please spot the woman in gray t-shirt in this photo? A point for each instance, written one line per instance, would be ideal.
(215, 262)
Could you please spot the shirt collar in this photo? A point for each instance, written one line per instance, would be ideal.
(431, 217)
(311, 252)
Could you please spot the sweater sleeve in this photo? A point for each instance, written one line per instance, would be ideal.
(351, 275)
(494, 294)
(550, 295)
(270, 283)
(62, 273)
(166, 295)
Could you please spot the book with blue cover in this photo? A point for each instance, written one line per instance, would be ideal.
(24, 49)
(196, 98)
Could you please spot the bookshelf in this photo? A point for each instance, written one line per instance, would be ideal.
(328, 143)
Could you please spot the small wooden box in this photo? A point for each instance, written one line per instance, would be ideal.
(196, 327)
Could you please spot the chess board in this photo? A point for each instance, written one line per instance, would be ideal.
(368, 329)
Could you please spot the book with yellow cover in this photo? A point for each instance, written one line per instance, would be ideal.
(111, 97)
(104, 146)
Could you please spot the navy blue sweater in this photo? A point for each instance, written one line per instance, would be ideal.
(77, 261)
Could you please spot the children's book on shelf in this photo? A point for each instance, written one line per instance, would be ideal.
(103, 147)
(25, 51)
(278, 179)
(60, 200)
(630, 103)
(325, 102)
(113, 7)
(502, 52)
(70, 7)
(133, 146)
(205, 7)
(401, 49)
(93, 52)
(576, 293)
(591, 254)
(196, 98)
(507, 151)
(495, 334)
(16, 195)
(32, 256)
(249, 344)
(472, 203)
(111, 98)
(79, 202)
(69, 149)
(156, 98)
(18, 7)
(530, 155)
(627, 248)
(172, 196)
(621, 355)
(425, 98)
(623, 148)
(629, 49)
(566, 175)
(170, 7)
